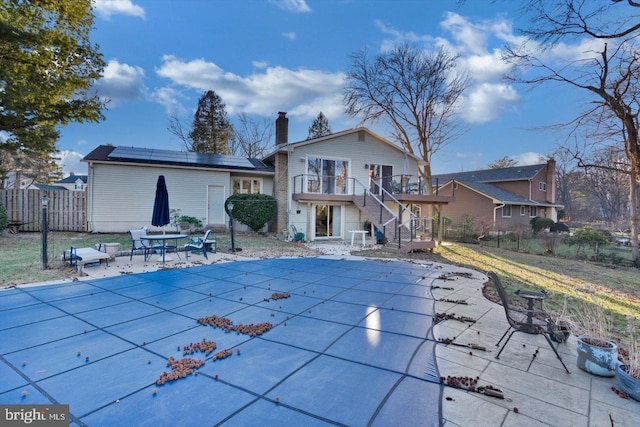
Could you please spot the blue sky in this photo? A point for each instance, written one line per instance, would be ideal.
(265, 56)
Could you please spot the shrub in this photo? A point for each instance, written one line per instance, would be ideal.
(590, 236)
(254, 210)
(539, 223)
(4, 219)
(186, 219)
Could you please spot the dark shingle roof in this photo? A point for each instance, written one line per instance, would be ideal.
(50, 187)
(108, 153)
(498, 193)
(515, 173)
(71, 179)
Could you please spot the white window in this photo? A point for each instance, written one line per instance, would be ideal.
(523, 211)
(506, 211)
(247, 185)
(542, 186)
(533, 211)
(327, 176)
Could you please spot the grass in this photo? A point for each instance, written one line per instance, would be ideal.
(616, 288)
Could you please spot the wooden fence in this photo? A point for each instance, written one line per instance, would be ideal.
(67, 210)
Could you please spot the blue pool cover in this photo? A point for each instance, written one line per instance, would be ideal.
(352, 345)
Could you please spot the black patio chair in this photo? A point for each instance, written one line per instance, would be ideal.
(528, 321)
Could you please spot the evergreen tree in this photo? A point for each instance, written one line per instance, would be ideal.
(319, 127)
(211, 131)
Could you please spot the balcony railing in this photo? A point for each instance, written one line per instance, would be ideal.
(341, 185)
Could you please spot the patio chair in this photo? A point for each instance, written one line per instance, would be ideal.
(526, 320)
(199, 244)
(140, 245)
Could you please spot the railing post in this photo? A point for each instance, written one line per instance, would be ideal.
(384, 235)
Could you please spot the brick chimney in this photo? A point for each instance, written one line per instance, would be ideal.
(282, 128)
(551, 180)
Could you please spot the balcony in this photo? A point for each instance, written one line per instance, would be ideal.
(401, 188)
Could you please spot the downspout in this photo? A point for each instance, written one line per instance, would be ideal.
(90, 195)
(289, 186)
(495, 214)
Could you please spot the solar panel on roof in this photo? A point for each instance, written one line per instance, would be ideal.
(130, 153)
(234, 161)
(168, 156)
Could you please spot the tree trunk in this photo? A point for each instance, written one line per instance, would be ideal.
(635, 214)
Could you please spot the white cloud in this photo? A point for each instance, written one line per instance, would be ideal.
(399, 37)
(488, 67)
(292, 5)
(260, 64)
(121, 82)
(274, 89)
(528, 158)
(585, 49)
(70, 161)
(469, 37)
(170, 98)
(290, 35)
(106, 8)
(486, 101)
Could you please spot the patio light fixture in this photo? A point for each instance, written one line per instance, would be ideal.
(44, 201)
(230, 210)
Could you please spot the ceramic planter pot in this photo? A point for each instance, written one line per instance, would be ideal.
(559, 331)
(598, 357)
(627, 383)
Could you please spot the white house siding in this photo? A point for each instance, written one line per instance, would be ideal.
(122, 196)
(360, 148)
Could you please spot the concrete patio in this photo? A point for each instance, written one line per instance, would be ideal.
(536, 389)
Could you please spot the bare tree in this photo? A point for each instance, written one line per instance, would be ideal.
(415, 92)
(609, 73)
(252, 138)
(568, 180)
(611, 187)
(180, 130)
(503, 162)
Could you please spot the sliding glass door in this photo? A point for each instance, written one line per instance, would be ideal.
(328, 221)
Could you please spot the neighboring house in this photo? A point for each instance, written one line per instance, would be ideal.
(122, 185)
(73, 182)
(502, 198)
(16, 180)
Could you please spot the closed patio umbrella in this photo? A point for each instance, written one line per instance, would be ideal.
(161, 215)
